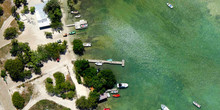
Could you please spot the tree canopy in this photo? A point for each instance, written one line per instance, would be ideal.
(53, 10)
(63, 87)
(15, 69)
(78, 47)
(1, 11)
(10, 33)
(18, 100)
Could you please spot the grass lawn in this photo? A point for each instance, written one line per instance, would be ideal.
(47, 105)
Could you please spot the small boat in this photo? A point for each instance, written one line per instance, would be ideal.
(74, 12)
(84, 26)
(87, 44)
(114, 91)
(77, 16)
(169, 5)
(98, 63)
(196, 104)
(116, 95)
(122, 85)
(164, 107)
(109, 60)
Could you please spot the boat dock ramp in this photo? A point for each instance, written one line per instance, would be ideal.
(122, 63)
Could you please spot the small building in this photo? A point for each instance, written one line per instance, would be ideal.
(82, 24)
(42, 18)
(103, 96)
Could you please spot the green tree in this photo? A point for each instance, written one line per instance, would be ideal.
(70, 94)
(93, 99)
(53, 10)
(17, 3)
(82, 103)
(1, 11)
(15, 69)
(10, 33)
(3, 73)
(78, 47)
(20, 25)
(13, 10)
(1, 1)
(18, 100)
(109, 78)
(81, 65)
(32, 9)
(49, 80)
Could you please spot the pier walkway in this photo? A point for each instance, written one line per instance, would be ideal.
(122, 63)
(70, 25)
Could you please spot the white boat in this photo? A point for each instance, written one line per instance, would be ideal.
(74, 12)
(164, 107)
(122, 85)
(98, 63)
(87, 44)
(77, 16)
(169, 5)
(196, 104)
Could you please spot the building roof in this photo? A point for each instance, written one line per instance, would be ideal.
(103, 96)
(42, 18)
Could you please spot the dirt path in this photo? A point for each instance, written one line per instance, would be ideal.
(5, 25)
(5, 98)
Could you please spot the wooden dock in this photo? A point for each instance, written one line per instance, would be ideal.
(70, 25)
(122, 63)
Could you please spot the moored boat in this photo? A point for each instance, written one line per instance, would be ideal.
(114, 91)
(122, 85)
(169, 5)
(116, 95)
(164, 107)
(77, 16)
(196, 104)
(74, 12)
(109, 60)
(98, 63)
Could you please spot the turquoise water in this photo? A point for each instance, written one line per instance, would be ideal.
(172, 55)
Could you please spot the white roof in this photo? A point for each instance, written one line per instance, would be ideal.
(41, 16)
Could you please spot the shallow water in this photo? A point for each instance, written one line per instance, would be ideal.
(172, 55)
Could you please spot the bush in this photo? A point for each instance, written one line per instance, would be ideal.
(48, 34)
(49, 80)
(82, 103)
(25, 10)
(70, 94)
(32, 9)
(1, 11)
(15, 69)
(10, 33)
(13, 10)
(78, 47)
(3, 73)
(20, 25)
(18, 100)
